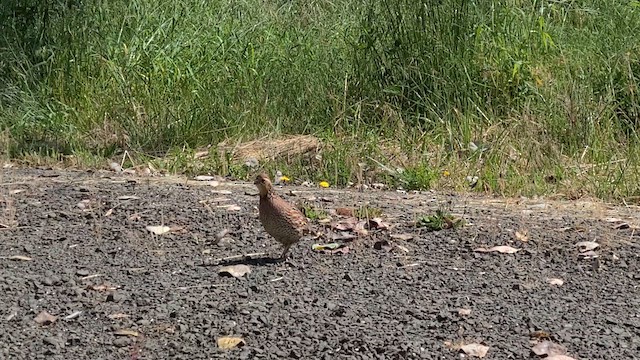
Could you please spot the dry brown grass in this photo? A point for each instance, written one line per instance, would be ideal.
(267, 148)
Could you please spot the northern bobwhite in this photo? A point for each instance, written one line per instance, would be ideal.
(279, 218)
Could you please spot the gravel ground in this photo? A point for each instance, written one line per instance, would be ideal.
(118, 291)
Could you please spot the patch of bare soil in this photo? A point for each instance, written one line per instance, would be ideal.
(95, 265)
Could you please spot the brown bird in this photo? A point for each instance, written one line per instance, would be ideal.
(279, 218)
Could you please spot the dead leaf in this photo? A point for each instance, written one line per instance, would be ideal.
(587, 246)
(117, 316)
(237, 271)
(612, 220)
(464, 312)
(503, 249)
(103, 287)
(331, 248)
(73, 315)
(476, 350)
(231, 207)
(203, 178)
(522, 235)
(128, 197)
(16, 191)
(229, 342)
(548, 348)
(621, 226)
(383, 245)
(346, 224)
(377, 223)
(44, 318)
(221, 234)
(559, 357)
(126, 332)
(18, 257)
(134, 217)
(158, 230)
(589, 254)
(343, 235)
(344, 212)
(404, 237)
(109, 212)
(555, 281)
(540, 334)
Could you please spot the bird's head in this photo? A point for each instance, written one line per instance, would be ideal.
(263, 184)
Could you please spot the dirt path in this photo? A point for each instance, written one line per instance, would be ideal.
(95, 267)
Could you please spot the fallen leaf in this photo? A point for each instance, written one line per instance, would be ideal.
(109, 212)
(115, 167)
(344, 212)
(584, 246)
(84, 204)
(613, 220)
(229, 342)
(383, 245)
(222, 192)
(346, 224)
(522, 235)
(203, 178)
(73, 315)
(377, 223)
(343, 235)
(476, 350)
(540, 334)
(16, 191)
(18, 257)
(554, 281)
(548, 348)
(589, 254)
(464, 312)
(559, 357)
(158, 230)
(404, 237)
(103, 287)
(332, 248)
(221, 234)
(621, 226)
(128, 197)
(231, 207)
(126, 332)
(117, 316)
(44, 318)
(503, 249)
(236, 271)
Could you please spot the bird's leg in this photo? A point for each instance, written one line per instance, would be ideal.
(284, 251)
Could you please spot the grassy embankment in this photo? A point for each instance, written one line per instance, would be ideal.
(546, 90)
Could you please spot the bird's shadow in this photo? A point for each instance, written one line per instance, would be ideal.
(259, 261)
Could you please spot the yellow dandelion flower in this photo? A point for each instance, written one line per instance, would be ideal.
(324, 184)
(446, 173)
(284, 179)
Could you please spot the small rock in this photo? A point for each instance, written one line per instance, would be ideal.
(82, 272)
(121, 341)
(52, 340)
(115, 167)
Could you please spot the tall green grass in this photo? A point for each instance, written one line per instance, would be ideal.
(548, 89)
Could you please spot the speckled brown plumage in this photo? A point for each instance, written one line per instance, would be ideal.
(279, 218)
